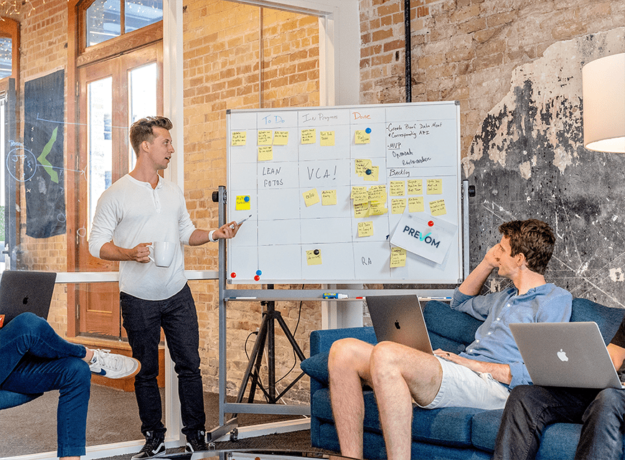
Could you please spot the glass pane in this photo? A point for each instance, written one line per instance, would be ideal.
(103, 21)
(6, 56)
(100, 148)
(3, 106)
(142, 97)
(141, 13)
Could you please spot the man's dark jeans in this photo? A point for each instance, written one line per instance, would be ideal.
(531, 408)
(34, 359)
(177, 316)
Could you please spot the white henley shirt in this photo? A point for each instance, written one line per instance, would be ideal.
(130, 212)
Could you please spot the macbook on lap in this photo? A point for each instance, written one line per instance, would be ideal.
(565, 355)
(25, 291)
(399, 319)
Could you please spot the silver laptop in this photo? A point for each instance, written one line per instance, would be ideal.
(25, 291)
(399, 319)
(565, 355)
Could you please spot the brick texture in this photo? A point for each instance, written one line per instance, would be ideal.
(223, 71)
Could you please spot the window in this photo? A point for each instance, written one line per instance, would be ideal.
(6, 57)
(107, 19)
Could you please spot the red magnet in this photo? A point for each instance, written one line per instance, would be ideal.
(256, 278)
(233, 275)
(431, 224)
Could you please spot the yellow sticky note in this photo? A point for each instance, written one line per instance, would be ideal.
(326, 138)
(312, 258)
(435, 187)
(398, 188)
(398, 205)
(398, 257)
(311, 197)
(377, 209)
(415, 204)
(362, 137)
(362, 166)
(437, 208)
(280, 137)
(365, 229)
(242, 204)
(377, 193)
(265, 137)
(360, 195)
(328, 197)
(265, 153)
(361, 210)
(415, 187)
(309, 136)
(375, 173)
(238, 138)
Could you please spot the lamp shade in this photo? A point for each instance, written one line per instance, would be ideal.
(603, 86)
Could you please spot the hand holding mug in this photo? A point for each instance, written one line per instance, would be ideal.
(161, 253)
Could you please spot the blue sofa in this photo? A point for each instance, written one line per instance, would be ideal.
(449, 433)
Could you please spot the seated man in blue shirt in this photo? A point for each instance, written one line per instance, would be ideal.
(481, 377)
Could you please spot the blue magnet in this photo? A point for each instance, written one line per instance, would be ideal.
(246, 199)
(368, 130)
(258, 272)
(368, 171)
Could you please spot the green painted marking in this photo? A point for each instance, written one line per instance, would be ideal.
(45, 163)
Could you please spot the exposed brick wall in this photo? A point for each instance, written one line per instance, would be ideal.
(221, 54)
(43, 39)
(466, 49)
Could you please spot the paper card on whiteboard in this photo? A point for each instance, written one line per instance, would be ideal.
(265, 153)
(311, 197)
(414, 234)
(415, 187)
(415, 204)
(238, 138)
(242, 203)
(359, 195)
(265, 137)
(280, 138)
(326, 138)
(398, 205)
(312, 258)
(328, 197)
(365, 229)
(375, 174)
(398, 188)
(309, 136)
(398, 257)
(437, 208)
(362, 166)
(362, 137)
(435, 187)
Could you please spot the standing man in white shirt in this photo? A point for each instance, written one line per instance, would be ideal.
(138, 209)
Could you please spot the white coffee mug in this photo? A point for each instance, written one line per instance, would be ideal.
(163, 253)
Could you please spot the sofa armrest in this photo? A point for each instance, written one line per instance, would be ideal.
(321, 341)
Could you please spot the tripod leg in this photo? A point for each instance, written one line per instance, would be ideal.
(254, 357)
(260, 341)
(289, 336)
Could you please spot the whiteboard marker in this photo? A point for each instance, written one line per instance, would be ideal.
(241, 298)
(241, 221)
(333, 295)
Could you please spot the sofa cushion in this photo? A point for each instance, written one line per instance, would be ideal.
(317, 367)
(608, 319)
(450, 324)
(484, 427)
(450, 426)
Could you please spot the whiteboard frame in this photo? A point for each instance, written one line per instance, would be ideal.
(459, 198)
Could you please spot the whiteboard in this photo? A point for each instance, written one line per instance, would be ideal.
(279, 157)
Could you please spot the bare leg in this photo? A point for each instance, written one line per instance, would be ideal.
(69, 458)
(400, 374)
(348, 365)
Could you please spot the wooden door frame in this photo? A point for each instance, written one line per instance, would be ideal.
(78, 56)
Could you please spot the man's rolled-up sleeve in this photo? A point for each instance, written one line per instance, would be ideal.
(477, 306)
(520, 376)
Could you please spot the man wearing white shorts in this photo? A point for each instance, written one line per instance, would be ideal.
(480, 377)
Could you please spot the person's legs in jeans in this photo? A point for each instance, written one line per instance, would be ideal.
(181, 331)
(530, 408)
(28, 333)
(72, 377)
(602, 433)
(142, 321)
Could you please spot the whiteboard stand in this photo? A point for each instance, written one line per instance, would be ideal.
(229, 429)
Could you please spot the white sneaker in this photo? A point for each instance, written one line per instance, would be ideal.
(113, 366)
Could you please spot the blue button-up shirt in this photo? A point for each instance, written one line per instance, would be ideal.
(494, 342)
